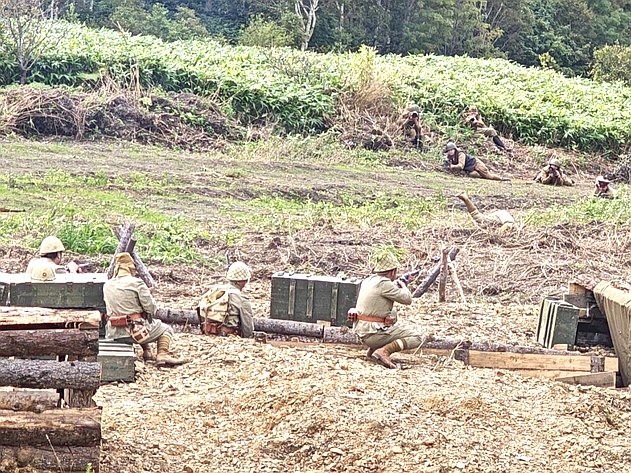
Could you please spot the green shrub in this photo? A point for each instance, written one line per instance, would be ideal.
(612, 63)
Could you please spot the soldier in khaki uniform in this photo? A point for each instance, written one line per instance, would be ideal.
(50, 254)
(130, 310)
(410, 123)
(603, 189)
(223, 309)
(501, 219)
(376, 319)
(553, 175)
(458, 160)
(473, 119)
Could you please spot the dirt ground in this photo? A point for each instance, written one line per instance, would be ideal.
(243, 406)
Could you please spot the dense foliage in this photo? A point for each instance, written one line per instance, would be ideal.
(300, 90)
(565, 31)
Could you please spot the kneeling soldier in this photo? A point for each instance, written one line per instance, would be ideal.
(376, 319)
(130, 310)
(223, 309)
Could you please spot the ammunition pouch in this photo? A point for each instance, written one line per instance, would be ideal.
(214, 328)
(118, 320)
(387, 321)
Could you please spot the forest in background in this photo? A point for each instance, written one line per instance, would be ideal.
(557, 34)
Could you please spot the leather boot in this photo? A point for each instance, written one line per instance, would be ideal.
(147, 353)
(382, 355)
(165, 358)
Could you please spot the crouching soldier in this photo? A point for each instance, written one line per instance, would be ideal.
(130, 310)
(603, 189)
(458, 160)
(375, 319)
(410, 123)
(223, 309)
(50, 254)
(553, 175)
(501, 219)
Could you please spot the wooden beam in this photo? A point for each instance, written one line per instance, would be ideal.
(606, 379)
(529, 361)
(548, 374)
(59, 427)
(611, 363)
(50, 374)
(433, 274)
(46, 459)
(26, 318)
(34, 400)
(49, 342)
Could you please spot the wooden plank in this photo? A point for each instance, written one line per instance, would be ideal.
(548, 374)
(49, 342)
(506, 360)
(50, 374)
(611, 363)
(46, 459)
(606, 379)
(59, 427)
(25, 318)
(34, 400)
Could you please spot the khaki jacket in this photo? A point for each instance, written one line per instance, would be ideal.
(46, 263)
(239, 311)
(546, 176)
(377, 295)
(608, 193)
(126, 295)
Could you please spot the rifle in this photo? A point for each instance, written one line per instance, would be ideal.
(409, 276)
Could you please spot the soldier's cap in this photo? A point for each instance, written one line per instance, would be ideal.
(602, 179)
(43, 273)
(125, 262)
(383, 262)
(238, 271)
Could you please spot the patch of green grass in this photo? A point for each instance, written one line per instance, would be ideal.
(616, 211)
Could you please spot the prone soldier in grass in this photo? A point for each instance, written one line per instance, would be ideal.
(501, 219)
(458, 160)
(473, 119)
(223, 309)
(375, 318)
(130, 310)
(603, 189)
(553, 175)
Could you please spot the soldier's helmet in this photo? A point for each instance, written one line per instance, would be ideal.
(43, 273)
(238, 271)
(51, 244)
(555, 162)
(414, 110)
(384, 262)
(602, 180)
(449, 146)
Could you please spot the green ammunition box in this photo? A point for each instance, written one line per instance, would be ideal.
(308, 298)
(558, 323)
(67, 291)
(117, 361)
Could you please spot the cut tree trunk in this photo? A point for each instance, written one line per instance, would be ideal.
(36, 400)
(49, 342)
(31, 318)
(124, 234)
(52, 374)
(60, 427)
(433, 274)
(177, 316)
(143, 272)
(47, 459)
(289, 327)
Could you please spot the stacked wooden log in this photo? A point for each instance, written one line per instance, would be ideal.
(48, 420)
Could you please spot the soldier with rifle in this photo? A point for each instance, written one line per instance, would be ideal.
(553, 175)
(603, 189)
(49, 258)
(458, 160)
(130, 310)
(473, 119)
(375, 319)
(410, 123)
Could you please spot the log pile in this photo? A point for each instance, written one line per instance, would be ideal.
(48, 420)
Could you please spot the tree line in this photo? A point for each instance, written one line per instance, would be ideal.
(558, 34)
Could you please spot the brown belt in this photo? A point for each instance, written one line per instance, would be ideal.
(215, 328)
(122, 320)
(375, 318)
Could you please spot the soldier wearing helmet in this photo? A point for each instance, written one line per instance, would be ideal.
(375, 318)
(130, 310)
(473, 119)
(410, 123)
(552, 174)
(224, 310)
(50, 254)
(458, 160)
(603, 189)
